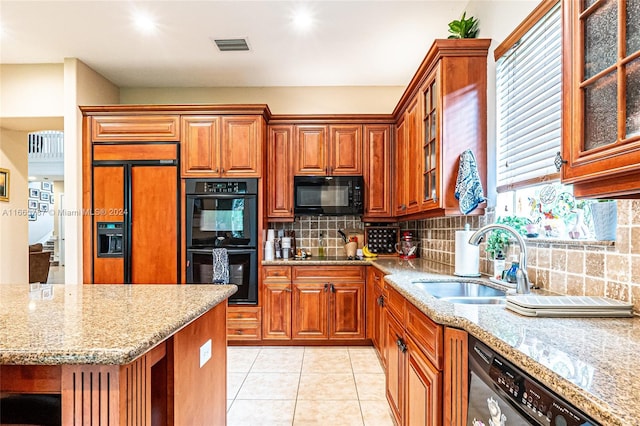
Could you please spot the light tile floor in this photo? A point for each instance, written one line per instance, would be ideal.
(305, 386)
(56, 275)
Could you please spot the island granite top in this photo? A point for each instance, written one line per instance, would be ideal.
(96, 324)
(591, 362)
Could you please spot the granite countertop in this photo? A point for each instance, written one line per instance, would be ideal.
(96, 324)
(591, 362)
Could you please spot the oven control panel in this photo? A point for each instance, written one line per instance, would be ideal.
(382, 239)
(222, 187)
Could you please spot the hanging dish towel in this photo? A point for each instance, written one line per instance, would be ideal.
(468, 186)
(220, 266)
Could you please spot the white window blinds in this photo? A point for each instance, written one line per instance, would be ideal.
(529, 105)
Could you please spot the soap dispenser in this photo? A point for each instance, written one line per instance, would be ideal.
(513, 270)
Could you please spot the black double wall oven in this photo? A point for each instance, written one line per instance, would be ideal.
(223, 213)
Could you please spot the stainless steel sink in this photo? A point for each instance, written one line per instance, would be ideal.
(463, 292)
(476, 300)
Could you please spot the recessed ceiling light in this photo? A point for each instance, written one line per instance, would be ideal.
(145, 23)
(302, 19)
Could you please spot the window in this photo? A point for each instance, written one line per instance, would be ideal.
(529, 129)
(529, 103)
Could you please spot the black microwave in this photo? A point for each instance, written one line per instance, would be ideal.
(328, 195)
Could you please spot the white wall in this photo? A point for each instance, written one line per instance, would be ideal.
(83, 86)
(497, 19)
(281, 100)
(33, 90)
(14, 251)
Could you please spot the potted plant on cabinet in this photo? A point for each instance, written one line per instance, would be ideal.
(464, 28)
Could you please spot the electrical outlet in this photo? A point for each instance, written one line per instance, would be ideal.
(205, 353)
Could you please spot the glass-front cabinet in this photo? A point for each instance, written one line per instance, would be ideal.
(601, 143)
(431, 128)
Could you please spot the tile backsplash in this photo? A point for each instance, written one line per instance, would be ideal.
(567, 267)
(309, 228)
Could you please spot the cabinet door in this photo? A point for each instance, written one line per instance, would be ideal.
(345, 146)
(135, 128)
(279, 173)
(154, 225)
(310, 308)
(377, 175)
(414, 167)
(601, 133)
(109, 205)
(395, 357)
(241, 153)
(276, 318)
(346, 311)
(401, 171)
(422, 389)
(430, 143)
(200, 146)
(311, 150)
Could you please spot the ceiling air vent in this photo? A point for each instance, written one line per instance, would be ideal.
(231, 44)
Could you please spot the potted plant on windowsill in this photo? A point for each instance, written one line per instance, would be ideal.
(498, 241)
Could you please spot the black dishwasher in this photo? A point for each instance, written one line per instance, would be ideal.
(500, 394)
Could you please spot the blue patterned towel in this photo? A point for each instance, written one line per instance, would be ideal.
(468, 186)
(220, 266)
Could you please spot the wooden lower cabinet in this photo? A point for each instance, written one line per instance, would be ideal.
(244, 323)
(375, 310)
(423, 388)
(307, 302)
(426, 366)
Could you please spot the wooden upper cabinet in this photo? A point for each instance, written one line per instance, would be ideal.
(135, 128)
(601, 104)
(242, 143)
(401, 171)
(228, 146)
(280, 173)
(311, 150)
(412, 135)
(328, 150)
(377, 176)
(443, 113)
(345, 147)
(200, 145)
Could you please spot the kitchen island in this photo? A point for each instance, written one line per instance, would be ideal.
(118, 354)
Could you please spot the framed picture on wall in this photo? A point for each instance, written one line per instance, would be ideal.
(33, 204)
(34, 193)
(46, 186)
(44, 196)
(4, 185)
(44, 207)
(33, 215)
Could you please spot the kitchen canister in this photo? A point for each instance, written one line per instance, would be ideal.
(269, 251)
(467, 261)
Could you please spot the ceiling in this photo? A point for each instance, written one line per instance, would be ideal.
(349, 43)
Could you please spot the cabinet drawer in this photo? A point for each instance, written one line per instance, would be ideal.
(427, 334)
(276, 273)
(377, 276)
(244, 314)
(244, 323)
(394, 302)
(324, 273)
(240, 330)
(135, 128)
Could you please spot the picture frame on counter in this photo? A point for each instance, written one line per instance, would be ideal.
(4, 185)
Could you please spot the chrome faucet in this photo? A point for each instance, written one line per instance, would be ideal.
(522, 280)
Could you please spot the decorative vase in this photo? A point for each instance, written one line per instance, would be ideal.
(605, 220)
(579, 229)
